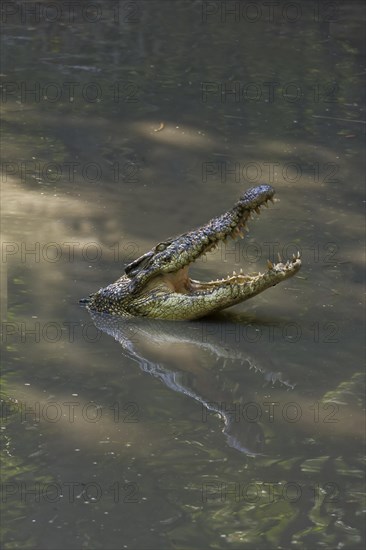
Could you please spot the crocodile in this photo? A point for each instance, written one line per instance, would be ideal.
(157, 284)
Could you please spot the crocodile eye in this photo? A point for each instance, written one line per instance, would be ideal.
(160, 247)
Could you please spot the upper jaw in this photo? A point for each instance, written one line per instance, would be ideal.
(234, 222)
(186, 248)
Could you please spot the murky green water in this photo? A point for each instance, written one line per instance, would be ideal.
(127, 122)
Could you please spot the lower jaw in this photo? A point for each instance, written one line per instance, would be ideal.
(181, 283)
(193, 287)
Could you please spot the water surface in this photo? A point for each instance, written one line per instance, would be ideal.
(120, 128)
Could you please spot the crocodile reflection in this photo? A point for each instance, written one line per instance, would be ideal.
(192, 359)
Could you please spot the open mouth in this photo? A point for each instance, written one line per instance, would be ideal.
(180, 281)
(157, 284)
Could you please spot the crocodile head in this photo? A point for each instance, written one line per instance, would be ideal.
(158, 284)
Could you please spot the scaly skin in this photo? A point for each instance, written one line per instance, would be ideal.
(157, 284)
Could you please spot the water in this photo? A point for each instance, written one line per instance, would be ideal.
(241, 431)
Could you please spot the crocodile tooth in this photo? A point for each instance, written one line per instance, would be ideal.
(293, 257)
(298, 254)
(266, 204)
(241, 271)
(257, 209)
(279, 257)
(269, 264)
(234, 273)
